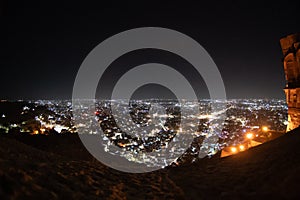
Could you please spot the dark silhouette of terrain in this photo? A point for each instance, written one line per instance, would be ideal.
(58, 166)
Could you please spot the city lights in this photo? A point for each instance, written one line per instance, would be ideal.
(242, 147)
(249, 136)
(265, 128)
(42, 130)
(233, 149)
(241, 125)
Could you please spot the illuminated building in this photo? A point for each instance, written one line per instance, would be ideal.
(291, 61)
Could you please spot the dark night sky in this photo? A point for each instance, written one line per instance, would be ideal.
(44, 44)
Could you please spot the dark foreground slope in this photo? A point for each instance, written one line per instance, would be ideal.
(59, 167)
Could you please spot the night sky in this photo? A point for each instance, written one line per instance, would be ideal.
(44, 44)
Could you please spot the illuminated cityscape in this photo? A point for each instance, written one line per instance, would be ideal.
(150, 100)
(246, 124)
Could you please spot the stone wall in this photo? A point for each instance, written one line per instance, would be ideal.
(291, 62)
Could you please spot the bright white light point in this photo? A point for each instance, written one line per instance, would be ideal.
(249, 135)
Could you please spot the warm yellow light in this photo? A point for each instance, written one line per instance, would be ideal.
(265, 129)
(50, 126)
(36, 132)
(242, 147)
(121, 144)
(249, 136)
(233, 149)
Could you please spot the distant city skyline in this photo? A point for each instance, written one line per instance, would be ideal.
(43, 45)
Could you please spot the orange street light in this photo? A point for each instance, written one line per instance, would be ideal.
(233, 149)
(265, 129)
(242, 147)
